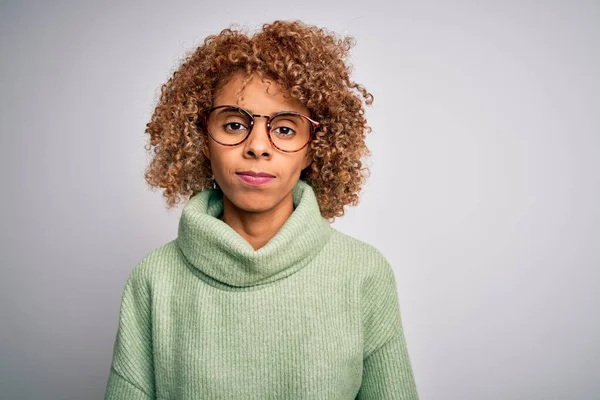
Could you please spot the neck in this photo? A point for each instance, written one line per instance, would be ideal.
(257, 228)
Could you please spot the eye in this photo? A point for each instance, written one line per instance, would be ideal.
(234, 127)
(284, 131)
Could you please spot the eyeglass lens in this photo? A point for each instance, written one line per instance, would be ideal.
(231, 125)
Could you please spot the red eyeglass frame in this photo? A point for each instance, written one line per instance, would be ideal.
(313, 124)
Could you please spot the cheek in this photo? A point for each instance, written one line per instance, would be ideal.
(222, 161)
(217, 165)
(302, 162)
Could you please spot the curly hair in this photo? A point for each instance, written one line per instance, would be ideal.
(307, 63)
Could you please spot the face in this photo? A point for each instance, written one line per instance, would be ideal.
(260, 96)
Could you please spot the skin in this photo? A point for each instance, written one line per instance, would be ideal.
(256, 212)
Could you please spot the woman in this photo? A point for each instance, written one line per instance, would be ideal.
(259, 297)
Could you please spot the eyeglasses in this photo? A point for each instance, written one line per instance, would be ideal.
(288, 131)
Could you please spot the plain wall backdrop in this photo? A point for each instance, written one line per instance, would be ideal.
(484, 191)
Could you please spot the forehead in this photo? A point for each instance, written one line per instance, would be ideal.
(259, 96)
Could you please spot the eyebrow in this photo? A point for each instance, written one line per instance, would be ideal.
(231, 106)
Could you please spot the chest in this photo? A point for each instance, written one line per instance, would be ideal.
(288, 342)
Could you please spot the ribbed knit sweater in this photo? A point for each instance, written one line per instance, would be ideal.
(313, 314)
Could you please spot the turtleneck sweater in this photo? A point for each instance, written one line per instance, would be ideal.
(313, 314)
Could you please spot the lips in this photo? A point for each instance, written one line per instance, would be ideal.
(255, 178)
(256, 174)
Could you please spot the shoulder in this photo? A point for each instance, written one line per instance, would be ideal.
(379, 304)
(372, 263)
(356, 246)
(154, 264)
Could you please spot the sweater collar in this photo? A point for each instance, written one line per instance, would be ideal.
(218, 251)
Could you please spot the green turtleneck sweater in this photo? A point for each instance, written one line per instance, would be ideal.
(313, 314)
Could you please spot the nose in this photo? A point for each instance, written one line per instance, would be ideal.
(258, 143)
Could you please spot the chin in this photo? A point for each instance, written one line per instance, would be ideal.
(251, 201)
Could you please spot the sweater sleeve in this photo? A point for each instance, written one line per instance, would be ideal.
(387, 370)
(132, 372)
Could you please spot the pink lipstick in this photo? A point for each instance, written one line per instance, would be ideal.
(255, 178)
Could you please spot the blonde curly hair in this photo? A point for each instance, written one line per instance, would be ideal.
(306, 62)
